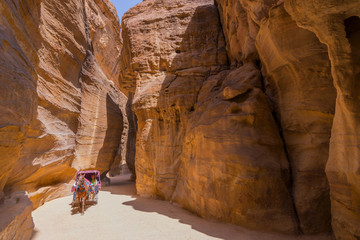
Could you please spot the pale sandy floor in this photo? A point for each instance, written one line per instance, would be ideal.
(120, 215)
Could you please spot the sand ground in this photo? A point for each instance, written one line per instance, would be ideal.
(121, 215)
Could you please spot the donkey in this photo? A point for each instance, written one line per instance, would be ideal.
(82, 190)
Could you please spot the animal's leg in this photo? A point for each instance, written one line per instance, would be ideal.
(83, 204)
(80, 204)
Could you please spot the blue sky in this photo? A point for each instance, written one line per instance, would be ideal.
(123, 5)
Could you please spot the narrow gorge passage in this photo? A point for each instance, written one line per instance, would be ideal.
(234, 119)
(122, 215)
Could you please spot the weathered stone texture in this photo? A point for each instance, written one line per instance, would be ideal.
(206, 138)
(16, 222)
(233, 161)
(299, 84)
(337, 24)
(180, 156)
(61, 106)
(169, 73)
(242, 110)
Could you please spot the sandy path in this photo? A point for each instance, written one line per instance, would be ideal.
(120, 215)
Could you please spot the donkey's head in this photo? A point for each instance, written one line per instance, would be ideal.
(81, 178)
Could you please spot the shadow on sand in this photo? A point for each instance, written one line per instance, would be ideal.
(75, 209)
(121, 185)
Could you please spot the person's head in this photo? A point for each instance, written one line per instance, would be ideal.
(93, 176)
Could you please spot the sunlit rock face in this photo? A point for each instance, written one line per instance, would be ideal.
(18, 85)
(61, 106)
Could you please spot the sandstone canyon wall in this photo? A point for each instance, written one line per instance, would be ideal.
(61, 106)
(206, 136)
(337, 24)
(246, 111)
(299, 84)
(257, 138)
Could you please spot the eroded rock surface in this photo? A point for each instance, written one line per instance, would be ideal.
(299, 84)
(233, 157)
(206, 138)
(173, 58)
(239, 106)
(61, 106)
(182, 152)
(16, 221)
(337, 24)
(18, 84)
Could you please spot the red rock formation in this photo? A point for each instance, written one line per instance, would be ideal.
(80, 113)
(16, 221)
(61, 109)
(18, 83)
(169, 73)
(206, 137)
(239, 107)
(299, 83)
(233, 161)
(337, 25)
(174, 158)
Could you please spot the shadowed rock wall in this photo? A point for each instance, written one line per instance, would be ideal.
(246, 138)
(336, 24)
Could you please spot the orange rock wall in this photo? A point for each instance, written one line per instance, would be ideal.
(245, 111)
(299, 84)
(257, 138)
(207, 138)
(62, 108)
(337, 25)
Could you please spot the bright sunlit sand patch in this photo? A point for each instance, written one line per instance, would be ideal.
(121, 215)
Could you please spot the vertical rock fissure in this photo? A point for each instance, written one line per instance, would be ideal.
(89, 46)
(131, 142)
(286, 172)
(89, 43)
(290, 180)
